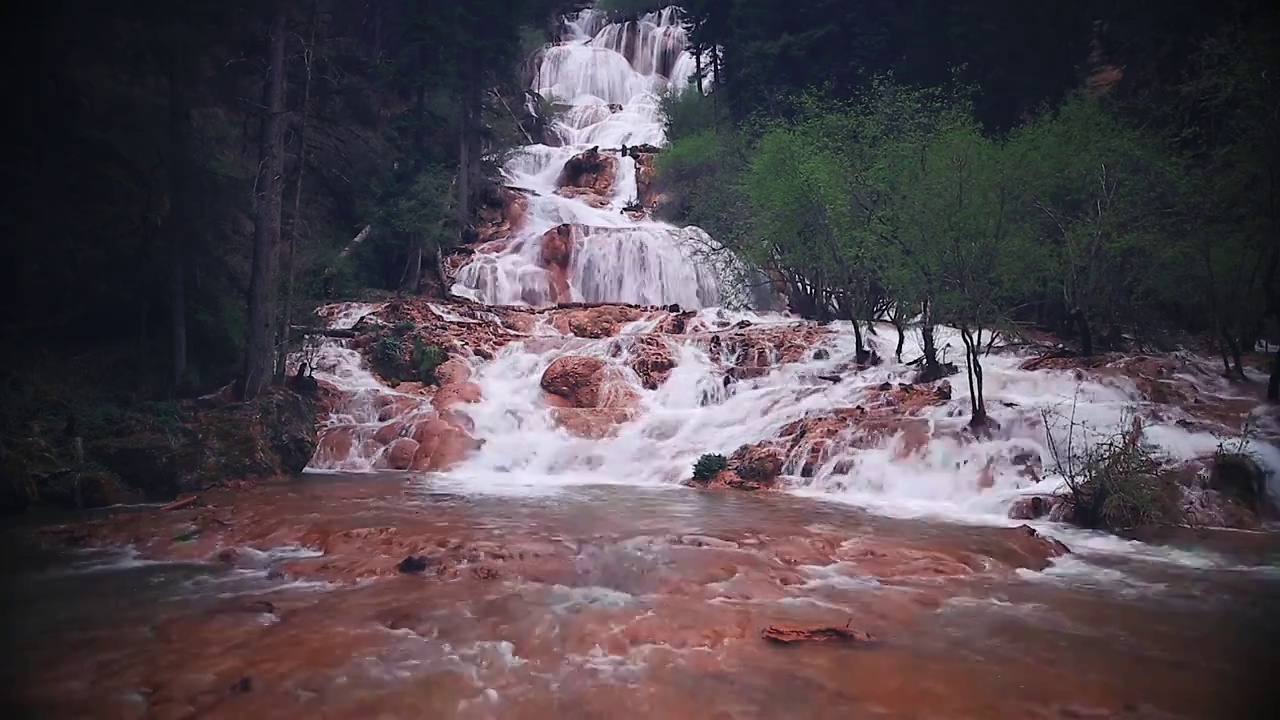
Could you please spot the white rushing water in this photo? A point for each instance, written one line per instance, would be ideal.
(617, 259)
(611, 78)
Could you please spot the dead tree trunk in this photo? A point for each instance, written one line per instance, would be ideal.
(973, 366)
(331, 272)
(260, 344)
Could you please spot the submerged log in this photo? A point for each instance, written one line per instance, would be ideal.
(788, 635)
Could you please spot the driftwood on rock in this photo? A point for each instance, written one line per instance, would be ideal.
(180, 503)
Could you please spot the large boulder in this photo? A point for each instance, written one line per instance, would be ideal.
(646, 174)
(651, 360)
(591, 170)
(443, 443)
(575, 378)
(399, 455)
(758, 464)
(501, 213)
(554, 257)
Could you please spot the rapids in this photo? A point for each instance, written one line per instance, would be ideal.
(619, 259)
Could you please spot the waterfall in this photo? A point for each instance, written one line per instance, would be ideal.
(611, 77)
(507, 431)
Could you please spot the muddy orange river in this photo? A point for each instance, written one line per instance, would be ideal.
(287, 601)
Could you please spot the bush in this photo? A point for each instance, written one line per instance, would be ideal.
(1237, 472)
(1115, 483)
(708, 466)
(426, 358)
(388, 357)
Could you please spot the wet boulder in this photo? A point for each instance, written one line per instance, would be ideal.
(590, 170)
(399, 454)
(575, 378)
(759, 465)
(554, 257)
(443, 443)
(1240, 477)
(651, 360)
(594, 322)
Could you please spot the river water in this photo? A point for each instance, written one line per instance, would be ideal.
(615, 601)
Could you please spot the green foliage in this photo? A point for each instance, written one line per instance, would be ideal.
(1113, 482)
(425, 359)
(403, 327)
(708, 466)
(397, 358)
(388, 357)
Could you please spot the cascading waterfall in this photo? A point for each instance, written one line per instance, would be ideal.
(618, 259)
(611, 78)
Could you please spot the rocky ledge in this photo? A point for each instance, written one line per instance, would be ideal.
(156, 453)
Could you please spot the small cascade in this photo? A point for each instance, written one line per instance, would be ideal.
(361, 432)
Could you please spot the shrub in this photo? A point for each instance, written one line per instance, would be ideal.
(708, 466)
(403, 327)
(1236, 471)
(426, 358)
(388, 357)
(1115, 483)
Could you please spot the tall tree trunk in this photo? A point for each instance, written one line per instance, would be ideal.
(1273, 385)
(464, 167)
(414, 282)
(931, 364)
(331, 272)
(295, 218)
(1233, 352)
(896, 319)
(441, 274)
(698, 68)
(178, 223)
(259, 349)
(1086, 335)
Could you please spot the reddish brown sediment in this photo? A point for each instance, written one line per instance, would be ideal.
(586, 607)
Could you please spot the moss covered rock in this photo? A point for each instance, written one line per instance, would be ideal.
(274, 434)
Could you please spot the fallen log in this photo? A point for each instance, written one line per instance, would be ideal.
(340, 333)
(788, 635)
(180, 503)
